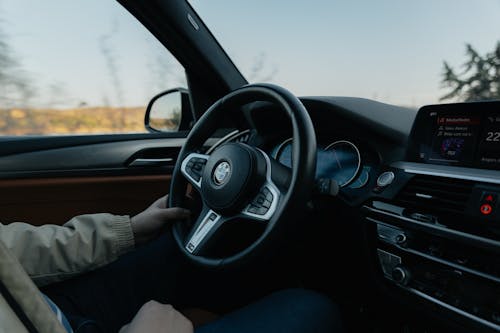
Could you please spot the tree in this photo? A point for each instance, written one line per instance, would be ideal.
(480, 79)
(260, 71)
(14, 87)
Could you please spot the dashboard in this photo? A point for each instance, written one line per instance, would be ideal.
(352, 139)
(426, 187)
(418, 191)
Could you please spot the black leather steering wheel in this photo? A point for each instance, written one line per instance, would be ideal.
(241, 181)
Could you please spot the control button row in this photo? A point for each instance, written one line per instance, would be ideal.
(195, 166)
(262, 202)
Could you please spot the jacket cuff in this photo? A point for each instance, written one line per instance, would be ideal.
(124, 236)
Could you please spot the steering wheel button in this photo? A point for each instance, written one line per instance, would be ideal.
(266, 204)
(253, 209)
(265, 191)
(269, 197)
(260, 200)
(262, 210)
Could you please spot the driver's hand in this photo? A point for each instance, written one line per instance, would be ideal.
(154, 317)
(148, 224)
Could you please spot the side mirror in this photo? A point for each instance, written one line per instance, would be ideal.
(169, 111)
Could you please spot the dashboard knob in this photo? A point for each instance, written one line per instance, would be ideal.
(401, 275)
(385, 179)
(401, 239)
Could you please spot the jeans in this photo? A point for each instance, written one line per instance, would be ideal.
(108, 298)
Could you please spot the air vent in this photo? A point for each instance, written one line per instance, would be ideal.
(436, 194)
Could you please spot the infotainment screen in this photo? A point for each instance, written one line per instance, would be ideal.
(463, 134)
(489, 141)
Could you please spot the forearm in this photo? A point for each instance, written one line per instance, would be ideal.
(51, 253)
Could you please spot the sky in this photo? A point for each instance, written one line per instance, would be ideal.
(93, 52)
(389, 50)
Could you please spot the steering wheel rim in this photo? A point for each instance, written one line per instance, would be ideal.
(290, 201)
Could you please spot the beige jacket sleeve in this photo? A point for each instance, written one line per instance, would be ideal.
(51, 253)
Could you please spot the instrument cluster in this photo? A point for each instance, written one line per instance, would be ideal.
(339, 160)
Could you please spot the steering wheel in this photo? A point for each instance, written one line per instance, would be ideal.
(241, 181)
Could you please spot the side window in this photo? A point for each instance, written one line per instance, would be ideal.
(78, 67)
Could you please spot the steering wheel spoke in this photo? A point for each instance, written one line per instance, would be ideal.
(206, 225)
(192, 168)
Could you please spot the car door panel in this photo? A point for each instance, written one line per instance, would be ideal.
(53, 185)
(105, 156)
(22, 144)
(55, 200)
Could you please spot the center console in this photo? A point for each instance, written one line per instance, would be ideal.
(436, 223)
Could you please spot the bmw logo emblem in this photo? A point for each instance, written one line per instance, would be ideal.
(221, 173)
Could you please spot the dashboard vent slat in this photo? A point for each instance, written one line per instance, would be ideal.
(436, 194)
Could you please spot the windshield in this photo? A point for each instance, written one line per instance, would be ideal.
(392, 51)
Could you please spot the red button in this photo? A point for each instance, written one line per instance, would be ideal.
(489, 197)
(486, 209)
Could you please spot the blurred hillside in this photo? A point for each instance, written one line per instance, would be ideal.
(86, 120)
